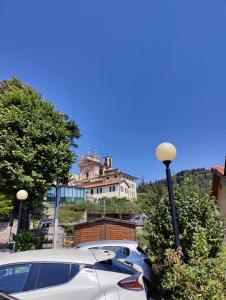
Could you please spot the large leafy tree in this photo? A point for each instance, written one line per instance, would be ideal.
(36, 142)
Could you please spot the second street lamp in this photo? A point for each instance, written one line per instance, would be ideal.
(21, 196)
(166, 152)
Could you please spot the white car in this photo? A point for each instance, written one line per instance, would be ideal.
(69, 274)
(129, 252)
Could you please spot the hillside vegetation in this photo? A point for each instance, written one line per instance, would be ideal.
(200, 177)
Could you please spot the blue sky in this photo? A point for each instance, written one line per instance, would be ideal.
(131, 74)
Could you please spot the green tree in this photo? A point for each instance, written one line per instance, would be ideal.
(6, 207)
(36, 142)
(200, 231)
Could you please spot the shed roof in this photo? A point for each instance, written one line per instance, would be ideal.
(105, 220)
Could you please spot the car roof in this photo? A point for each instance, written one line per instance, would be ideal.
(58, 255)
(128, 243)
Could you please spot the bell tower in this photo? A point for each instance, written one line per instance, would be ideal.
(108, 162)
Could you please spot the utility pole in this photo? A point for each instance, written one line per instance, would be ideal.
(56, 216)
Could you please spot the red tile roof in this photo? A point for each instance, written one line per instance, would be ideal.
(100, 183)
(219, 169)
(218, 172)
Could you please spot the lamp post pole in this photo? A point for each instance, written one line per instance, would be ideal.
(21, 196)
(56, 215)
(166, 152)
(172, 205)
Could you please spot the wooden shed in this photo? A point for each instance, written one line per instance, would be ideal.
(104, 229)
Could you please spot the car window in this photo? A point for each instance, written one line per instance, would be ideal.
(13, 277)
(51, 274)
(113, 265)
(74, 270)
(121, 252)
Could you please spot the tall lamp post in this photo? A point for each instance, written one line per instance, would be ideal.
(166, 152)
(21, 196)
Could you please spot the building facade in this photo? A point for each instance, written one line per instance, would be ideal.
(99, 179)
(219, 188)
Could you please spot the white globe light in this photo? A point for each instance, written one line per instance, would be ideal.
(166, 152)
(22, 195)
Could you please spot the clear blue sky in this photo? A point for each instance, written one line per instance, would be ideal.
(131, 73)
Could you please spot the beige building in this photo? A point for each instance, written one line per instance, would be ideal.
(219, 188)
(100, 179)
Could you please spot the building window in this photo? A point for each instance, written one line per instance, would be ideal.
(100, 190)
(132, 186)
(91, 191)
(107, 177)
(101, 171)
(112, 188)
(87, 175)
(97, 191)
(122, 190)
(116, 176)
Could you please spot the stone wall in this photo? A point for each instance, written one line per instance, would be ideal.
(5, 232)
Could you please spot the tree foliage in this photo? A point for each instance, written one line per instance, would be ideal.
(200, 236)
(36, 142)
(201, 278)
(200, 177)
(6, 207)
(72, 212)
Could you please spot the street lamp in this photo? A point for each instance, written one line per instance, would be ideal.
(166, 152)
(21, 196)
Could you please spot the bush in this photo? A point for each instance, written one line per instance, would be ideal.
(69, 216)
(29, 240)
(200, 278)
(112, 205)
(201, 240)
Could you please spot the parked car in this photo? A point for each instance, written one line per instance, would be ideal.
(139, 219)
(69, 274)
(129, 252)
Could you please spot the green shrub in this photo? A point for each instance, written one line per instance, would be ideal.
(29, 240)
(200, 269)
(69, 216)
(200, 278)
(68, 229)
(110, 205)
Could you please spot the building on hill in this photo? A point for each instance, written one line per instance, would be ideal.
(100, 179)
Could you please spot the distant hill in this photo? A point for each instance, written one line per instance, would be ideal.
(201, 177)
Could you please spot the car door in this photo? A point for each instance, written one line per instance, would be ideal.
(58, 281)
